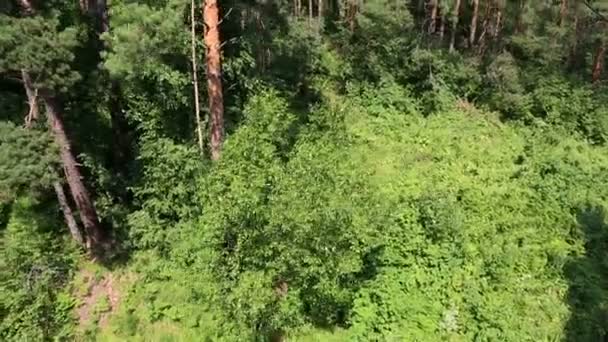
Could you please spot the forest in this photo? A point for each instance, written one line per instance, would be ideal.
(338, 170)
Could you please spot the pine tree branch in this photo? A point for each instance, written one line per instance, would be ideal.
(596, 11)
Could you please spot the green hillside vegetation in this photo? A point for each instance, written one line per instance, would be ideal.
(380, 175)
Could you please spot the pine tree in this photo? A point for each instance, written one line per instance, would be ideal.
(211, 15)
(52, 75)
(455, 19)
(473, 28)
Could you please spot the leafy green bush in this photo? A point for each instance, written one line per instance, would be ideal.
(35, 266)
(396, 226)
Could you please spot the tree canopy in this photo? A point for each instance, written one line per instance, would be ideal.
(231, 170)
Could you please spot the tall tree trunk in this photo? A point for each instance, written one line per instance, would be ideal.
(473, 32)
(598, 62)
(98, 10)
(197, 108)
(27, 6)
(497, 23)
(214, 76)
(455, 19)
(104, 18)
(80, 194)
(563, 12)
(320, 10)
(68, 215)
(519, 22)
(352, 8)
(572, 60)
(420, 7)
(310, 9)
(433, 16)
(481, 41)
(442, 26)
(32, 99)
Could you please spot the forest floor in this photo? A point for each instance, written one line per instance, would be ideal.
(101, 300)
(99, 293)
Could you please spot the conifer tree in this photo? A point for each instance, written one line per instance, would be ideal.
(211, 15)
(52, 74)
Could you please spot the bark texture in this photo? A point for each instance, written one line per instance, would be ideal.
(27, 6)
(310, 9)
(563, 12)
(320, 10)
(68, 215)
(473, 32)
(88, 214)
(433, 16)
(197, 110)
(80, 194)
(32, 99)
(497, 23)
(455, 19)
(598, 63)
(214, 76)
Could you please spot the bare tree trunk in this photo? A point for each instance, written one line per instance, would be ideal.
(497, 23)
(456, 17)
(574, 48)
(519, 22)
(33, 115)
(27, 6)
(481, 42)
(310, 8)
(320, 10)
(433, 16)
(352, 8)
(214, 76)
(68, 215)
(441, 27)
(473, 32)
(80, 194)
(197, 106)
(563, 12)
(32, 99)
(598, 63)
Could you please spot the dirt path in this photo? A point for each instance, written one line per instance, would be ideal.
(98, 290)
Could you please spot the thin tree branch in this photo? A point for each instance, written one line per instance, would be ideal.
(197, 111)
(597, 12)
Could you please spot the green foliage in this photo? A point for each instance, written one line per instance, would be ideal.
(34, 267)
(373, 185)
(27, 161)
(167, 189)
(506, 91)
(145, 37)
(40, 46)
(399, 228)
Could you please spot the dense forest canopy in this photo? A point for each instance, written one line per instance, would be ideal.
(339, 170)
